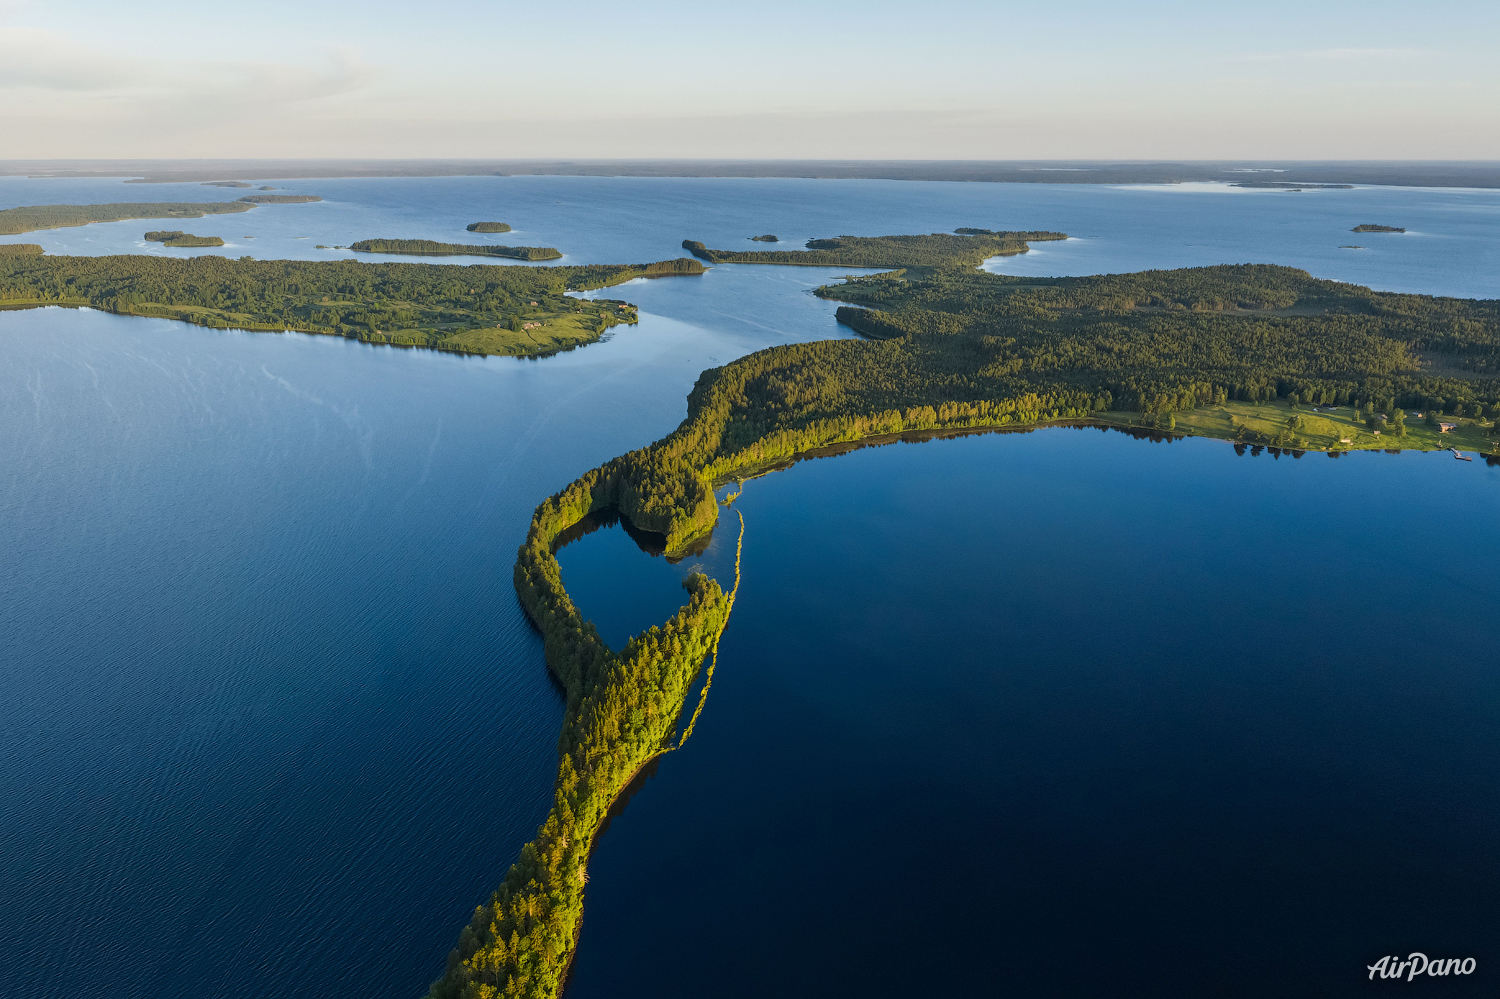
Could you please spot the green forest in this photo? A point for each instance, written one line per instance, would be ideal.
(176, 237)
(956, 349)
(940, 249)
(483, 309)
(432, 248)
(487, 227)
(279, 199)
(20, 249)
(34, 217)
(942, 347)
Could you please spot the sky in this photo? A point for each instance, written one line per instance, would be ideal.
(1060, 79)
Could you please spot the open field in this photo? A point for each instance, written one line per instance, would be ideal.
(1321, 430)
(558, 331)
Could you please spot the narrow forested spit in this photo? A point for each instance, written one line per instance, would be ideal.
(951, 349)
(279, 199)
(432, 248)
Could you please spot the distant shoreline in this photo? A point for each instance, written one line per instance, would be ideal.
(1410, 173)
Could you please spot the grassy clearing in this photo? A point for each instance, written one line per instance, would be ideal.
(1339, 430)
(559, 331)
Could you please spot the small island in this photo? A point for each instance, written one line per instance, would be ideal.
(279, 199)
(224, 183)
(487, 227)
(432, 248)
(1280, 185)
(767, 238)
(1369, 227)
(14, 221)
(939, 249)
(177, 237)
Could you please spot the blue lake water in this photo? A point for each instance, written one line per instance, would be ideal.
(1071, 714)
(271, 721)
(1450, 247)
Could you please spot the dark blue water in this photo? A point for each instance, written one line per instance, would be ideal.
(1072, 714)
(271, 722)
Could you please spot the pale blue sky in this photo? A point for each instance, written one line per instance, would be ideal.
(991, 80)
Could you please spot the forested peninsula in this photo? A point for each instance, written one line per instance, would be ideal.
(14, 221)
(478, 309)
(432, 248)
(951, 349)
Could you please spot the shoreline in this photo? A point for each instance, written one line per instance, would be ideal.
(1438, 174)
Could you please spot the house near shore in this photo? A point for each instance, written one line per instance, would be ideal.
(1443, 428)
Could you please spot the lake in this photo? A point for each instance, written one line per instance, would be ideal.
(1068, 713)
(273, 723)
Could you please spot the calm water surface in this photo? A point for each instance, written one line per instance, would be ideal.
(1452, 246)
(271, 721)
(1068, 714)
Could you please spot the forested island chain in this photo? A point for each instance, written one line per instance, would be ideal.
(480, 309)
(945, 348)
(940, 249)
(279, 199)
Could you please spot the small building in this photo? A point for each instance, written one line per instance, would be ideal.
(1443, 428)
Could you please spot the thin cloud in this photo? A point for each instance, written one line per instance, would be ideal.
(30, 57)
(283, 83)
(50, 61)
(1334, 55)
